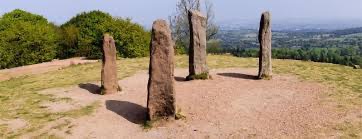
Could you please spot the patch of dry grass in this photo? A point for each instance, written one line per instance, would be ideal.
(345, 81)
(346, 89)
(349, 130)
(220, 61)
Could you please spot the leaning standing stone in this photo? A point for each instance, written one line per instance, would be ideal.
(161, 92)
(109, 66)
(197, 50)
(265, 36)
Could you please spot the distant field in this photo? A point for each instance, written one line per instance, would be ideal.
(247, 38)
(353, 35)
(20, 97)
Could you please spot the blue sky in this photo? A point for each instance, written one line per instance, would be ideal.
(145, 11)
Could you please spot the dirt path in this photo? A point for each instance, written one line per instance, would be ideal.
(232, 105)
(41, 68)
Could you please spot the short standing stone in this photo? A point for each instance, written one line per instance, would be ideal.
(265, 36)
(197, 48)
(161, 92)
(109, 66)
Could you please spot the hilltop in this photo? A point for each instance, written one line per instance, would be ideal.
(305, 99)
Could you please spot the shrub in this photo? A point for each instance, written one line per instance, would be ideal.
(131, 39)
(25, 39)
(68, 43)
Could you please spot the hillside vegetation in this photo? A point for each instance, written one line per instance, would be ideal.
(131, 39)
(27, 38)
(20, 98)
(349, 56)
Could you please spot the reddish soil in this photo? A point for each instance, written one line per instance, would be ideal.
(231, 105)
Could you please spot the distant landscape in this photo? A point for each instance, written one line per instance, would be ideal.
(331, 46)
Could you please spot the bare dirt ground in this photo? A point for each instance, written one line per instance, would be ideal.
(231, 105)
(41, 68)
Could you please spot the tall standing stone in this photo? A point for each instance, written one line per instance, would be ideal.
(265, 38)
(161, 92)
(109, 66)
(197, 48)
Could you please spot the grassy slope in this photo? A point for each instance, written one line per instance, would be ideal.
(19, 97)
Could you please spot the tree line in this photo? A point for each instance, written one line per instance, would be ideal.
(348, 56)
(27, 38)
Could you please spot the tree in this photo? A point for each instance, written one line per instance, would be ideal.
(180, 25)
(214, 47)
(26, 38)
(68, 43)
(323, 56)
(212, 29)
(131, 39)
(91, 26)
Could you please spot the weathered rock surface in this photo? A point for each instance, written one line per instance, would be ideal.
(161, 91)
(265, 36)
(197, 48)
(357, 67)
(109, 66)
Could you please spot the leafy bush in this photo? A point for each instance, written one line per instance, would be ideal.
(25, 39)
(214, 47)
(68, 42)
(131, 39)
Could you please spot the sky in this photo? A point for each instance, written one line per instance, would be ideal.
(146, 11)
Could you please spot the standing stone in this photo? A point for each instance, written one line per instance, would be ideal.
(197, 48)
(161, 92)
(265, 36)
(109, 66)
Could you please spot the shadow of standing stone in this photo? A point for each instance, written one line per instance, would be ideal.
(92, 88)
(239, 75)
(132, 112)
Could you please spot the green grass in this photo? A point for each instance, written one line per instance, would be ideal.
(201, 76)
(20, 97)
(147, 125)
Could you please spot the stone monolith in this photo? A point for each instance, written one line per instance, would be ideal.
(265, 55)
(109, 67)
(161, 91)
(197, 49)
